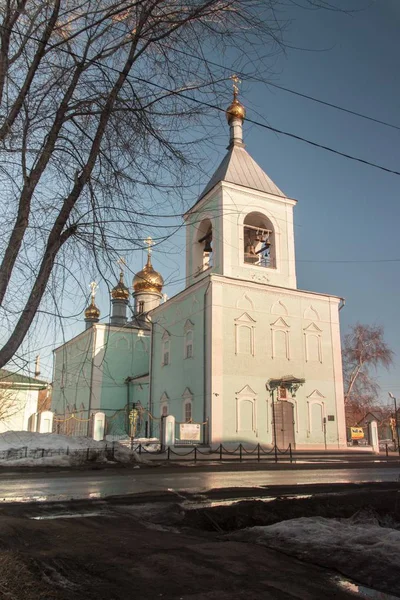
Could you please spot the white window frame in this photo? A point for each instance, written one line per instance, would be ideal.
(245, 321)
(280, 325)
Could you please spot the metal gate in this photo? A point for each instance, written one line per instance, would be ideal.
(283, 424)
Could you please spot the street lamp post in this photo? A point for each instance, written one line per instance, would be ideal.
(396, 420)
(274, 424)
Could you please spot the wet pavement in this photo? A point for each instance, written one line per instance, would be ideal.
(89, 485)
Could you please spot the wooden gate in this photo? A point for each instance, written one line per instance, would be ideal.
(284, 424)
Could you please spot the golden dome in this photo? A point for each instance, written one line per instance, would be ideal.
(120, 291)
(92, 312)
(236, 110)
(148, 280)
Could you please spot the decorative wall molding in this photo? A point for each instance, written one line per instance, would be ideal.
(279, 308)
(312, 328)
(188, 326)
(247, 391)
(311, 313)
(260, 278)
(316, 395)
(281, 324)
(166, 335)
(245, 318)
(245, 302)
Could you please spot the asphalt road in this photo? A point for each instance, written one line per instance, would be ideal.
(43, 487)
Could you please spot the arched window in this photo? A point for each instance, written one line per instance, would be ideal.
(259, 241)
(164, 400)
(203, 247)
(188, 412)
(166, 355)
(188, 349)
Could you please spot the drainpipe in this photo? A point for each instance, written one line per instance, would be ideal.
(342, 303)
(205, 358)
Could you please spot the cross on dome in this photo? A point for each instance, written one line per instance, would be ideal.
(149, 243)
(93, 286)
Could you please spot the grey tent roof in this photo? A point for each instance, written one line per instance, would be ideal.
(240, 168)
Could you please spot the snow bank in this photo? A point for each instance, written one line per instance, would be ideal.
(24, 448)
(48, 441)
(359, 548)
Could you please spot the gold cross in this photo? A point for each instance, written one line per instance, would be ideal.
(93, 286)
(235, 81)
(149, 243)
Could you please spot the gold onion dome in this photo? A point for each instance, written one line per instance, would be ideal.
(120, 291)
(236, 110)
(148, 280)
(92, 312)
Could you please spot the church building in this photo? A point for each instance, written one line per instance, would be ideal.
(241, 348)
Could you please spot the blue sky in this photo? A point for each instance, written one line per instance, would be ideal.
(346, 211)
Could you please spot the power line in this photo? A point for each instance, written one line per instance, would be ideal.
(248, 76)
(212, 106)
(341, 108)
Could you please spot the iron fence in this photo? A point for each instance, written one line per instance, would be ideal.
(167, 452)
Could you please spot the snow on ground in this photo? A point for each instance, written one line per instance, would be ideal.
(25, 442)
(54, 441)
(357, 547)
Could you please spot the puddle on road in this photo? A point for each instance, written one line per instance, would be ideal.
(69, 516)
(26, 499)
(362, 591)
(190, 505)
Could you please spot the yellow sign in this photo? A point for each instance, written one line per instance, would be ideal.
(357, 433)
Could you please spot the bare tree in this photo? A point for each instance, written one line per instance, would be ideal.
(96, 97)
(364, 350)
(9, 404)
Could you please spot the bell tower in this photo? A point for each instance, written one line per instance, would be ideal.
(242, 224)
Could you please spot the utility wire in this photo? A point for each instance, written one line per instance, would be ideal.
(248, 76)
(214, 107)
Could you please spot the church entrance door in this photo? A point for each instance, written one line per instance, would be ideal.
(284, 424)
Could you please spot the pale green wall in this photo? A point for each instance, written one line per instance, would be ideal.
(123, 355)
(72, 373)
(183, 372)
(118, 354)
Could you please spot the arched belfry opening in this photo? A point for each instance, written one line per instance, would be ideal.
(259, 241)
(203, 246)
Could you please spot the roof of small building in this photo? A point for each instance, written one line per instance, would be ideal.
(240, 168)
(375, 415)
(10, 377)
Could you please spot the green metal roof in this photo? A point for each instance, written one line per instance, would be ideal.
(10, 377)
